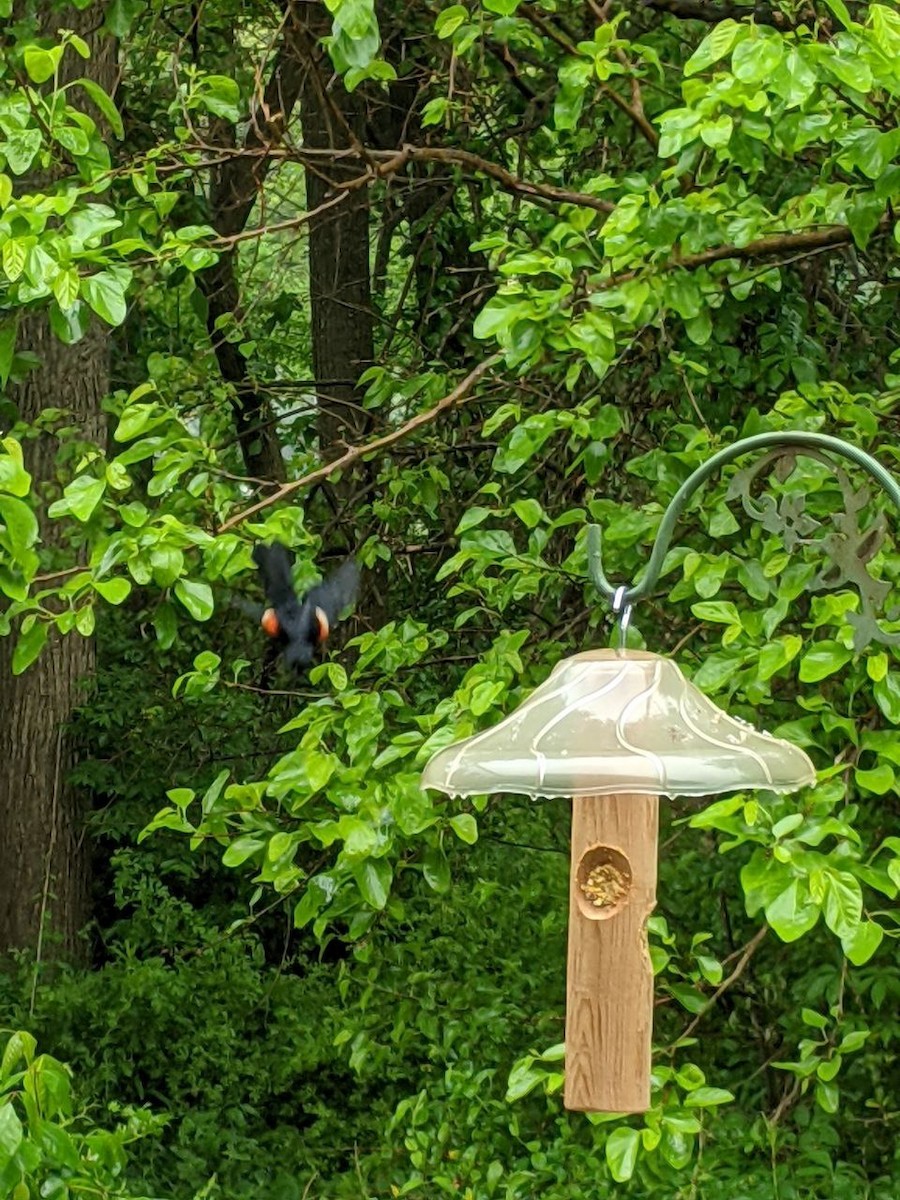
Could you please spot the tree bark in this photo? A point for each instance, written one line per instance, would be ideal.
(234, 188)
(44, 854)
(339, 276)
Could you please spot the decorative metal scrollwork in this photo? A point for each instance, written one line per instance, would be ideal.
(848, 546)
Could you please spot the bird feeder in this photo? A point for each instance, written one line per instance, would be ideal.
(617, 729)
(614, 730)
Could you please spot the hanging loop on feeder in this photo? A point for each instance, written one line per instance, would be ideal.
(623, 612)
(623, 597)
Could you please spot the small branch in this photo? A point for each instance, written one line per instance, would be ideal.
(698, 10)
(746, 954)
(384, 163)
(810, 240)
(354, 453)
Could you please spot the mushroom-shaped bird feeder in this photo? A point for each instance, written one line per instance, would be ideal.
(615, 729)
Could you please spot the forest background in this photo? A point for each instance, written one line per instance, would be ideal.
(437, 285)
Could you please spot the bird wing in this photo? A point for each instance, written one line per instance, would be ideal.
(335, 593)
(275, 563)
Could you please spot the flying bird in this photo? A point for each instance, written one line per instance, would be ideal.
(299, 625)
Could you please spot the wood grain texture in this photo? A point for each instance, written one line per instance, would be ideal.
(609, 989)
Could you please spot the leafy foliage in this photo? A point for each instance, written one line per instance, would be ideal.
(671, 233)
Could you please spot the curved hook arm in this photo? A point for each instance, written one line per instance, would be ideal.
(761, 441)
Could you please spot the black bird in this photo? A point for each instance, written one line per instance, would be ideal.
(300, 626)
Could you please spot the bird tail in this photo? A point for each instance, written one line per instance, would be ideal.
(275, 564)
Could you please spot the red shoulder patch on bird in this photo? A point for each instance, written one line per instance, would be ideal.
(270, 623)
(324, 627)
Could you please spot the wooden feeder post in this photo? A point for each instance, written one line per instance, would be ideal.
(609, 985)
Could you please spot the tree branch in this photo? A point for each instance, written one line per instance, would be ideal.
(699, 10)
(741, 966)
(353, 453)
(811, 240)
(385, 163)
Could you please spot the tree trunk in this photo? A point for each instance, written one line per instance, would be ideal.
(339, 280)
(235, 185)
(44, 855)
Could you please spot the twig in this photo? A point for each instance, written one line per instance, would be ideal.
(810, 240)
(351, 455)
(747, 953)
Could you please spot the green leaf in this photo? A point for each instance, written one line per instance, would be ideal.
(19, 1049)
(823, 660)
(472, 517)
(843, 903)
(13, 477)
(373, 878)
(621, 1153)
(435, 111)
(792, 913)
(465, 827)
(529, 512)
(8, 332)
(879, 780)
(850, 69)
(810, 1017)
(436, 869)
(707, 1097)
(28, 647)
(859, 946)
(196, 597)
(106, 296)
(13, 257)
(113, 590)
(828, 1097)
(241, 849)
(11, 1131)
(65, 288)
(855, 1040)
(715, 45)
(85, 620)
(21, 524)
(104, 104)
(138, 418)
(120, 14)
(41, 64)
(525, 441)
(21, 149)
(887, 696)
(165, 624)
(756, 58)
(222, 96)
(83, 495)
(721, 611)
(449, 20)
(319, 891)
(523, 1078)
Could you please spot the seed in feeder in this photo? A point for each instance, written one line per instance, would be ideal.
(605, 885)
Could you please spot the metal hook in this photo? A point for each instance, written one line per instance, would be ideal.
(623, 613)
(679, 502)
